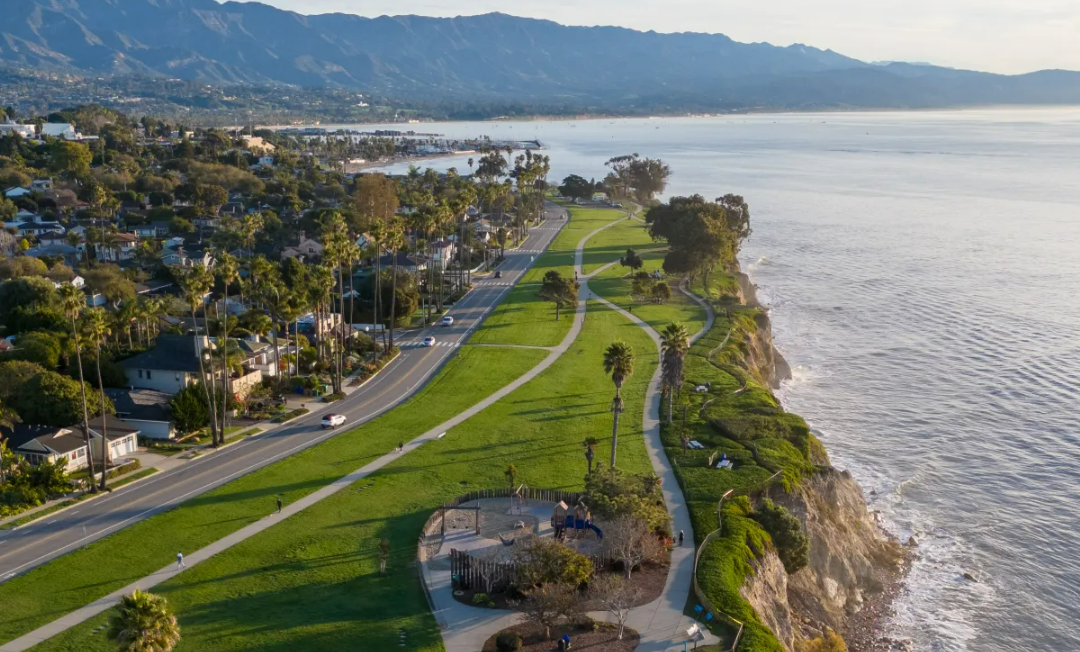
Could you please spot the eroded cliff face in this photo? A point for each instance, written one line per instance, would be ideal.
(851, 558)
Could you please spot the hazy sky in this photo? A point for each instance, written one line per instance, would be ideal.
(997, 35)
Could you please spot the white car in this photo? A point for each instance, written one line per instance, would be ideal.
(447, 321)
(428, 341)
(333, 420)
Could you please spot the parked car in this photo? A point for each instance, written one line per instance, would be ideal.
(333, 420)
(447, 321)
(428, 341)
(498, 274)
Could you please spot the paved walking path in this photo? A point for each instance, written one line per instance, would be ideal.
(661, 623)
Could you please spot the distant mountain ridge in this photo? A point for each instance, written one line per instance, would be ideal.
(491, 57)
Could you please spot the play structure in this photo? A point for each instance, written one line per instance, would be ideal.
(577, 523)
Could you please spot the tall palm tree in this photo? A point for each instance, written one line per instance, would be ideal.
(194, 285)
(73, 301)
(619, 363)
(97, 329)
(395, 240)
(674, 343)
(143, 622)
(229, 269)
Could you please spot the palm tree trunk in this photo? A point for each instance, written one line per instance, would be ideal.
(220, 439)
(615, 410)
(85, 409)
(341, 328)
(670, 404)
(393, 302)
(104, 425)
(207, 384)
(378, 287)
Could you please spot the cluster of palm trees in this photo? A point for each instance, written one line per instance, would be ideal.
(93, 325)
(619, 364)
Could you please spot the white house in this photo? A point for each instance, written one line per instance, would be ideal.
(145, 409)
(119, 247)
(169, 367)
(442, 254)
(11, 127)
(266, 162)
(63, 130)
(42, 185)
(308, 248)
(38, 444)
(187, 257)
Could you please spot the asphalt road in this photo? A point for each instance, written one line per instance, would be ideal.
(38, 542)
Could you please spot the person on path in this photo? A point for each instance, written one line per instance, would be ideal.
(278, 505)
(566, 640)
(681, 535)
(400, 446)
(180, 561)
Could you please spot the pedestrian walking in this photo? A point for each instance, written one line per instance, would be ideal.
(180, 561)
(400, 446)
(681, 535)
(279, 505)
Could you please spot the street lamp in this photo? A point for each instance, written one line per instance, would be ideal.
(720, 505)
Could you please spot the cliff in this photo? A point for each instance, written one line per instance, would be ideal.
(813, 559)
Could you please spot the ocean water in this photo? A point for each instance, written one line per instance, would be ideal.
(923, 275)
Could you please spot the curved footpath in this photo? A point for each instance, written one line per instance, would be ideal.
(661, 623)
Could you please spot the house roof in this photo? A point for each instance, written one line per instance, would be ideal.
(140, 404)
(114, 428)
(56, 440)
(172, 353)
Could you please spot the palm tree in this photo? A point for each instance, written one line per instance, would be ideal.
(395, 239)
(97, 330)
(73, 301)
(674, 343)
(143, 622)
(194, 285)
(230, 272)
(619, 363)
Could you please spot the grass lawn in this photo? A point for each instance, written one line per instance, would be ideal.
(611, 244)
(312, 582)
(82, 576)
(522, 318)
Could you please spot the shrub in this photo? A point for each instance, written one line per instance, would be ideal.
(483, 599)
(546, 561)
(787, 535)
(507, 642)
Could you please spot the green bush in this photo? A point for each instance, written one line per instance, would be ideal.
(507, 642)
(787, 535)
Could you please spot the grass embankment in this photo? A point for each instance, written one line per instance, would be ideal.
(84, 575)
(522, 318)
(313, 582)
(744, 421)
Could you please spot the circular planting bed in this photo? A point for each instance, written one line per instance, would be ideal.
(588, 635)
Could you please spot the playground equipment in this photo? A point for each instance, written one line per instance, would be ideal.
(578, 523)
(519, 500)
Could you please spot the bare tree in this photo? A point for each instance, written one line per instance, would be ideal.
(629, 541)
(492, 568)
(615, 595)
(550, 605)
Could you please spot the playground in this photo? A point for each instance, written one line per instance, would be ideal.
(488, 528)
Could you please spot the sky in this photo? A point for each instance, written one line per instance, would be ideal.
(1006, 36)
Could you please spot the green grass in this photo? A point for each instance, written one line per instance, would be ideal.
(76, 579)
(522, 318)
(312, 582)
(290, 415)
(230, 438)
(611, 244)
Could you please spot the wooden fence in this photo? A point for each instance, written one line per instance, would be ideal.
(489, 575)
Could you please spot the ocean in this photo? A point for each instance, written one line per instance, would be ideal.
(922, 272)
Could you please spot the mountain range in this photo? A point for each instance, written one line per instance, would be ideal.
(491, 57)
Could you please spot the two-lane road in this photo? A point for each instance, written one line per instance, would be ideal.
(36, 543)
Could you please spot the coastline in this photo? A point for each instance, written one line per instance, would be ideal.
(866, 629)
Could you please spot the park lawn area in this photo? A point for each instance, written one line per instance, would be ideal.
(78, 578)
(524, 318)
(611, 244)
(312, 582)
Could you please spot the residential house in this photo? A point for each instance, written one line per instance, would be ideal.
(442, 254)
(36, 226)
(152, 230)
(75, 280)
(42, 185)
(60, 130)
(484, 230)
(118, 247)
(38, 444)
(16, 192)
(307, 248)
(266, 162)
(405, 262)
(65, 200)
(363, 241)
(173, 243)
(123, 437)
(67, 252)
(169, 367)
(145, 409)
(11, 127)
(187, 257)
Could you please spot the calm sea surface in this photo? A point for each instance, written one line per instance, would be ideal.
(923, 271)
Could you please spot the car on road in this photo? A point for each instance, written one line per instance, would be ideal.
(498, 274)
(333, 420)
(447, 321)
(428, 341)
